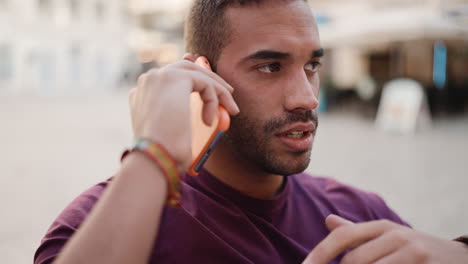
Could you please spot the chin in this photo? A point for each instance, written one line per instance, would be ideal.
(286, 171)
(293, 164)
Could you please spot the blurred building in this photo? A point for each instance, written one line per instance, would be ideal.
(51, 47)
(74, 46)
(371, 42)
(160, 25)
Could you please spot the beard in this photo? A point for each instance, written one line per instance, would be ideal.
(251, 141)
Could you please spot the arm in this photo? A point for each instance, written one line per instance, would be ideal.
(122, 226)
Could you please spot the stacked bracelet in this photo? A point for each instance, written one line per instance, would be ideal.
(161, 157)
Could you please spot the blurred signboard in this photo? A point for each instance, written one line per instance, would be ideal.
(403, 107)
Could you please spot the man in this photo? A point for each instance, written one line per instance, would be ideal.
(252, 204)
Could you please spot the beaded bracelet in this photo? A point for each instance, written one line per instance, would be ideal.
(161, 157)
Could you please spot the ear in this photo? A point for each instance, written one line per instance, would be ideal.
(203, 62)
(189, 57)
(334, 221)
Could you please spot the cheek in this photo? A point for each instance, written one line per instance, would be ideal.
(244, 94)
(316, 84)
(236, 80)
(254, 96)
(248, 103)
(252, 107)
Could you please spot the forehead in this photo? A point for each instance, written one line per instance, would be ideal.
(287, 26)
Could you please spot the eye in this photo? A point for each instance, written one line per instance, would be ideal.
(269, 68)
(313, 66)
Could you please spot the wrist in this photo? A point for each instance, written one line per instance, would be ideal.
(158, 155)
(178, 149)
(136, 162)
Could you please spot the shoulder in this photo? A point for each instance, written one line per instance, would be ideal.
(345, 200)
(80, 207)
(67, 223)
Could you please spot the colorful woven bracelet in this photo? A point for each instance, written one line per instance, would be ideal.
(161, 157)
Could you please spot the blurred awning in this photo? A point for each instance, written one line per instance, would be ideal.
(394, 26)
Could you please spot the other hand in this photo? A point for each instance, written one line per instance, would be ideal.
(383, 242)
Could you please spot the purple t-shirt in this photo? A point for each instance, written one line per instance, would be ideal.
(218, 224)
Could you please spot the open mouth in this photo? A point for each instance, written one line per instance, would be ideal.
(297, 134)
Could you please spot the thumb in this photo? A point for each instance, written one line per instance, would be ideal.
(333, 221)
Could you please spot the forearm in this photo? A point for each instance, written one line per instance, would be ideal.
(124, 223)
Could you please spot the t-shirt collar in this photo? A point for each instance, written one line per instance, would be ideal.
(262, 207)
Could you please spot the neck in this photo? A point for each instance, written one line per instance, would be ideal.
(242, 175)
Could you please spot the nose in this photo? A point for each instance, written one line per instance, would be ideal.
(301, 93)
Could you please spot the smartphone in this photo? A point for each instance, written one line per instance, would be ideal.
(204, 138)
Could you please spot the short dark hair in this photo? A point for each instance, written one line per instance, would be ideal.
(207, 31)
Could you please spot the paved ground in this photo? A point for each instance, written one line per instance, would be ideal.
(51, 150)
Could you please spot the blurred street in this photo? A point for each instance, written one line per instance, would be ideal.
(53, 149)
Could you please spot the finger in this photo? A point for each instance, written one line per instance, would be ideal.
(408, 254)
(205, 64)
(142, 79)
(131, 96)
(210, 105)
(131, 103)
(334, 221)
(226, 100)
(214, 76)
(223, 97)
(346, 237)
(189, 57)
(375, 249)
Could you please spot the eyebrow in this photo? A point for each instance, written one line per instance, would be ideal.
(267, 55)
(318, 53)
(278, 55)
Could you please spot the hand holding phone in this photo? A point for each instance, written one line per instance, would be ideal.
(204, 137)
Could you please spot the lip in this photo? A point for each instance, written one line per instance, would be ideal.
(302, 127)
(297, 144)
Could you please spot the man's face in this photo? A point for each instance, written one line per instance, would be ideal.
(271, 61)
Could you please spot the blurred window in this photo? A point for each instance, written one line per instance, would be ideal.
(99, 9)
(6, 62)
(147, 22)
(3, 4)
(75, 64)
(101, 69)
(74, 8)
(45, 7)
(125, 14)
(46, 71)
(391, 4)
